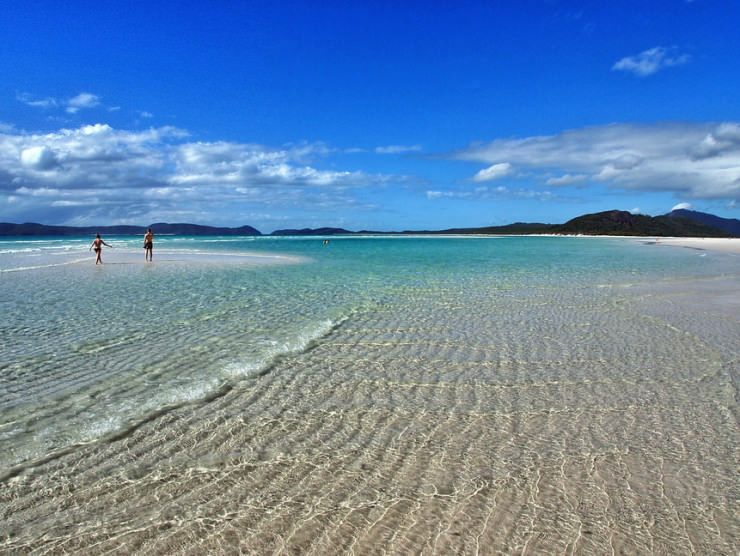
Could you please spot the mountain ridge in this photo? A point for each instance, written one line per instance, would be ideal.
(729, 225)
(36, 229)
(679, 223)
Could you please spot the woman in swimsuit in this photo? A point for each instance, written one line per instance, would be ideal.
(97, 245)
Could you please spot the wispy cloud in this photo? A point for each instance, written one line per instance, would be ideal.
(488, 193)
(698, 160)
(493, 172)
(35, 102)
(71, 105)
(567, 179)
(397, 149)
(83, 100)
(651, 61)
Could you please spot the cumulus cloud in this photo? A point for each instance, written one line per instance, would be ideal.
(651, 61)
(725, 138)
(493, 172)
(38, 158)
(99, 173)
(696, 160)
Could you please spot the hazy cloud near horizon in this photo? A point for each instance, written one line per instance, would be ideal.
(691, 160)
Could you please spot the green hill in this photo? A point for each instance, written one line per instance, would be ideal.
(623, 223)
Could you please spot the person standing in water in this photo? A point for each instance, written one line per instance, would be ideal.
(148, 245)
(97, 245)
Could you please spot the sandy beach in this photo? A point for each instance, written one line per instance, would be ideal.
(723, 245)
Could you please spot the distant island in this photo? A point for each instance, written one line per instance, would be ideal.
(34, 229)
(678, 223)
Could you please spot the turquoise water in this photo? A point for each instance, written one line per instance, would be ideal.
(390, 394)
(88, 351)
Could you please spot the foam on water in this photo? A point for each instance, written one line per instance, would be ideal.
(36, 267)
(277, 349)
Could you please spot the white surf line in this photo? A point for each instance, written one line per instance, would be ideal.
(22, 268)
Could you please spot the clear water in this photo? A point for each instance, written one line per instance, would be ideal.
(492, 338)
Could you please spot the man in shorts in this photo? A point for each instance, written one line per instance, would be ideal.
(148, 245)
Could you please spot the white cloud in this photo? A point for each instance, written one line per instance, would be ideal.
(145, 114)
(83, 100)
(682, 206)
(30, 100)
(670, 157)
(635, 210)
(488, 193)
(247, 165)
(38, 158)
(70, 203)
(651, 61)
(397, 149)
(71, 105)
(724, 138)
(493, 172)
(96, 173)
(567, 179)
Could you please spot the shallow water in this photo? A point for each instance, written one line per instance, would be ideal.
(400, 395)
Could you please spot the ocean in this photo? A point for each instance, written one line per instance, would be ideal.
(370, 395)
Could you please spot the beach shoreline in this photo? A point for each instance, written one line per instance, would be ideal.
(716, 244)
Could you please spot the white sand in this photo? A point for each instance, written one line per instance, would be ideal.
(718, 244)
(724, 245)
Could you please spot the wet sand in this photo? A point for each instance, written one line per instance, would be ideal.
(124, 256)
(722, 245)
(606, 425)
(716, 244)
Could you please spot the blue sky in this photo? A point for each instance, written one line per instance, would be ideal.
(366, 115)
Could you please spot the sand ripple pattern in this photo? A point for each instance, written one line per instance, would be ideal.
(442, 420)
